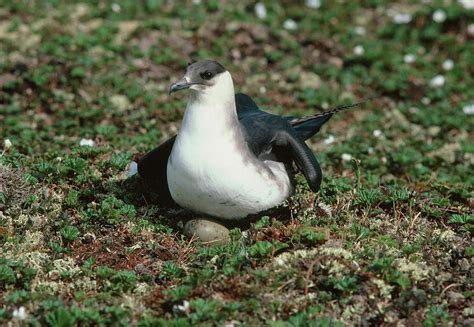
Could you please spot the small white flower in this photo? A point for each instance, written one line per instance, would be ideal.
(384, 159)
(448, 64)
(132, 169)
(409, 58)
(470, 29)
(358, 50)
(86, 142)
(7, 144)
(314, 4)
(377, 133)
(116, 7)
(439, 16)
(197, 2)
(290, 25)
(262, 89)
(426, 101)
(467, 4)
(261, 10)
(183, 307)
(469, 109)
(329, 140)
(437, 81)
(370, 150)
(346, 157)
(360, 30)
(20, 313)
(402, 18)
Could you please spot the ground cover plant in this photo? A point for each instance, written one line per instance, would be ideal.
(83, 91)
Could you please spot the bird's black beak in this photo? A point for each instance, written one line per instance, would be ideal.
(180, 85)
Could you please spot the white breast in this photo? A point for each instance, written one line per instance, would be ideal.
(213, 179)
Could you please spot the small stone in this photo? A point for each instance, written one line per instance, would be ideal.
(207, 231)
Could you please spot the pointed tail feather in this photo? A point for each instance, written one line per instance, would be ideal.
(296, 121)
(307, 126)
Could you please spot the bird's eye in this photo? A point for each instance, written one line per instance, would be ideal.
(207, 75)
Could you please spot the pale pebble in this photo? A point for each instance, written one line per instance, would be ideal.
(207, 231)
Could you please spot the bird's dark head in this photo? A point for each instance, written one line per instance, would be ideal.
(201, 76)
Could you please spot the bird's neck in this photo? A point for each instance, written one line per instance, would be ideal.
(212, 113)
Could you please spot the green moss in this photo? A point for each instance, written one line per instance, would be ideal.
(388, 231)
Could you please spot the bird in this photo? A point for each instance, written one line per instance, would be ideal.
(230, 159)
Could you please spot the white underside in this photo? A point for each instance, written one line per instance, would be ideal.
(211, 178)
(209, 172)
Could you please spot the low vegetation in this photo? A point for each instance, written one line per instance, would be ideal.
(83, 91)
